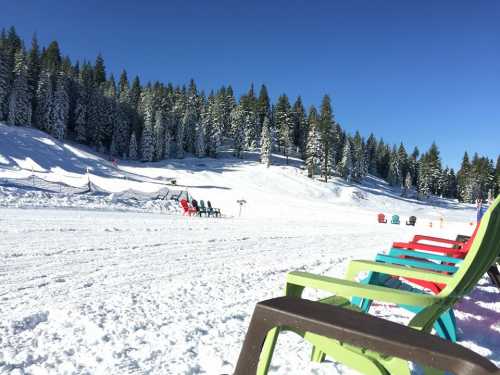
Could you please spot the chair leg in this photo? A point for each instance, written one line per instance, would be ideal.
(494, 275)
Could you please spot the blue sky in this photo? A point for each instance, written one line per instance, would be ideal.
(411, 71)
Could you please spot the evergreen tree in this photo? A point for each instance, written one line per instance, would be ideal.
(147, 142)
(80, 118)
(360, 167)
(132, 149)
(200, 147)
(284, 125)
(159, 135)
(266, 147)
(394, 175)
(327, 159)
(263, 105)
(408, 183)
(60, 109)
(237, 129)
(346, 164)
(463, 176)
(313, 143)
(299, 126)
(371, 154)
(20, 102)
(34, 67)
(4, 85)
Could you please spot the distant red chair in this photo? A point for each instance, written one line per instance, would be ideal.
(187, 210)
(382, 219)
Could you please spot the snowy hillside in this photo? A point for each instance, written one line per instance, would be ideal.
(107, 292)
(277, 191)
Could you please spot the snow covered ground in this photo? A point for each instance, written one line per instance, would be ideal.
(105, 286)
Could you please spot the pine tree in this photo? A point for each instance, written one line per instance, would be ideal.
(4, 85)
(147, 142)
(80, 119)
(299, 126)
(132, 149)
(327, 152)
(20, 102)
(200, 147)
(33, 72)
(313, 143)
(360, 167)
(159, 135)
(60, 109)
(371, 154)
(263, 105)
(284, 125)
(238, 130)
(266, 147)
(408, 183)
(167, 147)
(394, 175)
(463, 177)
(346, 164)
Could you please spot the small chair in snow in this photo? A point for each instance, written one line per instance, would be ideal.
(194, 204)
(395, 219)
(212, 210)
(202, 209)
(381, 218)
(411, 220)
(185, 208)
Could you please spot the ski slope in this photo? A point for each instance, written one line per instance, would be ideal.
(95, 285)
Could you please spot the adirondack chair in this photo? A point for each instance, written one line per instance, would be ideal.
(356, 330)
(186, 209)
(381, 218)
(430, 310)
(412, 220)
(395, 219)
(212, 210)
(202, 209)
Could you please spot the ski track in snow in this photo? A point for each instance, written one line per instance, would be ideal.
(141, 293)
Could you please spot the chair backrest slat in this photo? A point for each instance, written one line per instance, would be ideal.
(484, 248)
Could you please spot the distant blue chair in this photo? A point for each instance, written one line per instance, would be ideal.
(395, 219)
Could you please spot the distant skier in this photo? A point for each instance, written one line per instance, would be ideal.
(115, 163)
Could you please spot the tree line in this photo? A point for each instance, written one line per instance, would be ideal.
(40, 87)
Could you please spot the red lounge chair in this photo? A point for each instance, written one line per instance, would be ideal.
(186, 209)
(382, 219)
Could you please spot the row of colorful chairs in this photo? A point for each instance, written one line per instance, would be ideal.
(412, 220)
(426, 279)
(198, 209)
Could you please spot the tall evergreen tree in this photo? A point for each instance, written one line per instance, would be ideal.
(60, 109)
(4, 85)
(238, 130)
(313, 143)
(266, 147)
(132, 149)
(20, 102)
(147, 142)
(283, 123)
(346, 164)
(327, 152)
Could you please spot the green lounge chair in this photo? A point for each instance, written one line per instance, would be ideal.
(482, 253)
(202, 209)
(356, 329)
(395, 219)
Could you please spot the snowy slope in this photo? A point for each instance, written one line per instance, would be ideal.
(108, 292)
(278, 191)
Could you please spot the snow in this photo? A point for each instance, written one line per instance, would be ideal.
(102, 284)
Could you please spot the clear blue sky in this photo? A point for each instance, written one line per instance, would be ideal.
(414, 71)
